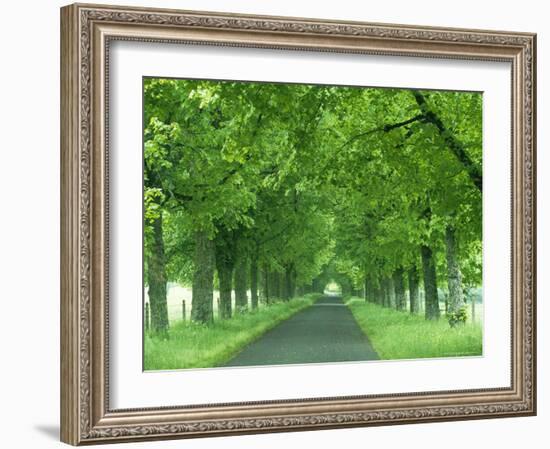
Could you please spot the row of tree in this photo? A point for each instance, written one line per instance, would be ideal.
(277, 189)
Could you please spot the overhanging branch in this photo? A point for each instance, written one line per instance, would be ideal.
(453, 144)
(385, 128)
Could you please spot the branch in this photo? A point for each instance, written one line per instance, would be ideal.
(276, 235)
(454, 144)
(233, 171)
(385, 128)
(155, 180)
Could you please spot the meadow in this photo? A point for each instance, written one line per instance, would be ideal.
(398, 334)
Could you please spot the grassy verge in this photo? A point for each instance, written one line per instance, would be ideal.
(400, 335)
(192, 345)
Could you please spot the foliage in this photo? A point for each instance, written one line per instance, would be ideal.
(316, 183)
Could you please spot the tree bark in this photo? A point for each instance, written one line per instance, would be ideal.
(387, 288)
(272, 285)
(225, 277)
(413, 289)
(379, 293)
(265, 283)
(391, 293)
(241, 284)
(156, 276)
(399, 288)
(454, 276)
(430, 283)
(293, 277)
(288, 283)
(318, 286)
(203, 278)
(254, 282)
(278, 285)
(225, 262)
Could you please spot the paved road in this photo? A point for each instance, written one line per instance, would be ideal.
(324, 332)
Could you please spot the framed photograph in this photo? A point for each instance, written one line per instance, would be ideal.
(281, 224)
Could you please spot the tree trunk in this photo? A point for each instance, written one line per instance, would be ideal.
(203, 278)
(454, 276)
(391, 293)
(224, 265)
(430, 283)
(367, 289)
(399, 288)
(386, 287)
(378, 293)
(413, 289)
(288, 283)
(156, 276)
(293, 278)
(272, 285)
(272, 281)
(254, 282)
(225, 277)
(318, 286)
(278, 285)
(265, 283)
(266, 292)
(241, 284)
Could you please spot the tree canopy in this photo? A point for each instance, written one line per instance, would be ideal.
(279, 188)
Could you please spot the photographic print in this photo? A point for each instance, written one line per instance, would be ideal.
(326, 204)
(296, 223)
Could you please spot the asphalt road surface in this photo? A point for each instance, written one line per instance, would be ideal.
(324, 332)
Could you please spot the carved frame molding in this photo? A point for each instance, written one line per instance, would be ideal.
(87, 31)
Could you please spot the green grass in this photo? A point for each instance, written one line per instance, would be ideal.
(192, 345)
(400, 335)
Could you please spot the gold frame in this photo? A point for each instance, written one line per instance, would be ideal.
(86, 31)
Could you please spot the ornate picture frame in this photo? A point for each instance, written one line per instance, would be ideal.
(86, 34)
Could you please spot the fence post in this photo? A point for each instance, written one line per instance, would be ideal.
(147, 317)
(183, 309)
